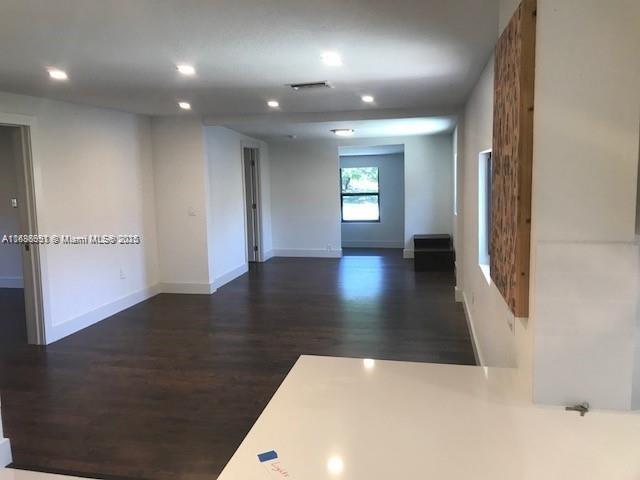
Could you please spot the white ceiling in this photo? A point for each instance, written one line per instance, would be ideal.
(275, 130)
(409, 54)
(356, 151)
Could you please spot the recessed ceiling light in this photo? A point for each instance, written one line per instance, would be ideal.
(344, 132)
(332, 59)
(273, 103)
(367, 99)
(57, 74)
(185, 69)
(184, 105)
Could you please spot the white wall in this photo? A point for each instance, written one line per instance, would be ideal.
(93, 175)
(179, 164)
(428, 173)
(635, 392)
(306, 191)
(305, 196)
(584, 265)
(587, 110)
(506, 10)
(227, 225)
(587, 115)
(389, 231)
(200, 203)
(264, 167)
(10, 255)
(638, 199)
(227, 244)
(586, 323)
(105, 172)
(488, 313)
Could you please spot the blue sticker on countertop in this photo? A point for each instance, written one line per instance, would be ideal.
(267, 456)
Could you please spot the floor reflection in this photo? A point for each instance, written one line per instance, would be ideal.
(361, 277)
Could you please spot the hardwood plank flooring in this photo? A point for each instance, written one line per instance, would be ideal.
(13, 327)
(168, 388)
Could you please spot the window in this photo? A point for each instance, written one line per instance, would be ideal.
(360, 194)
(484, 211)
(487, 186)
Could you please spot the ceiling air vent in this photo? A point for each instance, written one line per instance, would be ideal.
(309, 86)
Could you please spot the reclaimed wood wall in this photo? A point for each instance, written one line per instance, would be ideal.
(512, 158)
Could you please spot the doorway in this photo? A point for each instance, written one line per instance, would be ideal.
(13, 323)
(372, 198)
(250, 161)
(20, 287)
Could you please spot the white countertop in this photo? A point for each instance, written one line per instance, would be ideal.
(339, 418)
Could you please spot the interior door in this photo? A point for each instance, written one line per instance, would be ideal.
(251, 192)
(30, 253)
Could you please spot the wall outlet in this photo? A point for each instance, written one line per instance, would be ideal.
(14, 203)
(191, 212)
(122, 274)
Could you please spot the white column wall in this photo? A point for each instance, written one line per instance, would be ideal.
(585, 262)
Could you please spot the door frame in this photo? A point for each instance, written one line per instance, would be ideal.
(33, 260)
(258, 230)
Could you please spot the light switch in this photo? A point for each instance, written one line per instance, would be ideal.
(14, 202)
(191, 212)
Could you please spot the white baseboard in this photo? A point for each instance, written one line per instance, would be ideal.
(64, 329)
(300, 252)
(5, 452)
(474, 339)
(458, 294)
(229, 276)
(267, 255)
(407, 253)
(372, 244)
(187, 288)
(11, 282)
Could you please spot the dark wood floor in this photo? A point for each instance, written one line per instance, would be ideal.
(13, 328)
(169, 388)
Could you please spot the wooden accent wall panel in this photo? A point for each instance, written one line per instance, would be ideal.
(512, 158)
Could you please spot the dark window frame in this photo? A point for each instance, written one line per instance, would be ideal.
(359, 194)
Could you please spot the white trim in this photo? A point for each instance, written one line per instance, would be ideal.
(486, 272)
(5, 452)
(372, 244)
(11, 282)
(16, 119)
(407, 253)
(474, 338)
(187, 288)
(268, 255)
(230, 276)
(61, 330)
(459, 294)
(301, 252)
